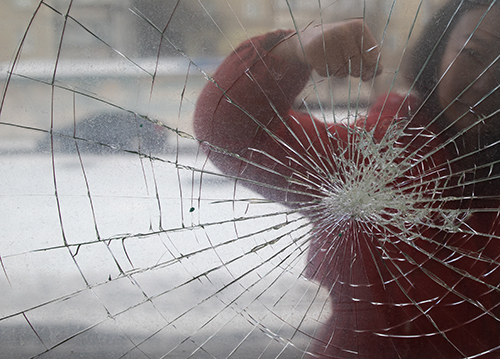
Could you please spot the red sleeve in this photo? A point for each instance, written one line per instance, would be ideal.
(248, 92)
(249, 131)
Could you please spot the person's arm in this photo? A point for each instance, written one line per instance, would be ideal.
(244, 115)
(240, 114)
(249, 91)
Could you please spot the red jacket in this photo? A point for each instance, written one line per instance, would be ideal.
(419, 278)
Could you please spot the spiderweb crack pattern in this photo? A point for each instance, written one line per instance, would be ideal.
(125, 238)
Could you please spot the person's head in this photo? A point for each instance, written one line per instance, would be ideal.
(454, 61)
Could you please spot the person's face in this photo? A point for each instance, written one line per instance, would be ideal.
(463, 63)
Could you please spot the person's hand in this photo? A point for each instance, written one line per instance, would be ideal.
(338, 49)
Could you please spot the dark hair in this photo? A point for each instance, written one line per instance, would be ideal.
(426, 56)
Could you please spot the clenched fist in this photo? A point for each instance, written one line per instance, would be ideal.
(338, 49)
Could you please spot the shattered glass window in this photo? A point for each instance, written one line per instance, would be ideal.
(250, 179)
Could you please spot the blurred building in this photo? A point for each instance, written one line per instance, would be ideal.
(200, 28)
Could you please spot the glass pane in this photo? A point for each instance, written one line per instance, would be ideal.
(250, 179)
